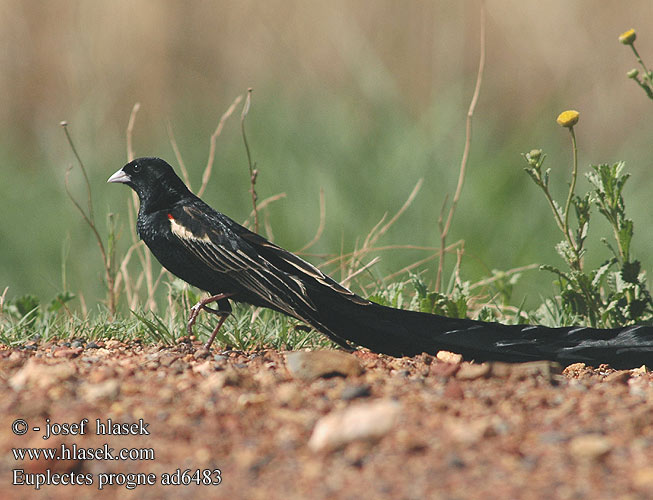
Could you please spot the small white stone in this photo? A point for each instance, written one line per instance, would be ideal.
(361, 421)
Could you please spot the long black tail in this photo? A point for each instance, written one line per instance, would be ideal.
(406, 333)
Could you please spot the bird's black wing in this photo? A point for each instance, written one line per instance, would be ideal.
(279, 278)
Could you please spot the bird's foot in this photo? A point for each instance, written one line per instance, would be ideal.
(203, 304)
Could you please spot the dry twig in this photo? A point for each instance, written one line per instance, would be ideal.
(253, 173)
(444, 228)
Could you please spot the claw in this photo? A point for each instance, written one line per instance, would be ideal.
(202, 304)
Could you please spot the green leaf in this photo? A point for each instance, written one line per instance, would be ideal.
(575, 301)
(158, 330)
(26, 304)
(599, 273)
(535, 175)
(625, 236)
(630, 271)
(564, 250)
(555, 270)
(378, 299)
(59, 301)
(607, 244)
(487, 314)
(419, 285)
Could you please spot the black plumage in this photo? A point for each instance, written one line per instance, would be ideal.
(212, 252)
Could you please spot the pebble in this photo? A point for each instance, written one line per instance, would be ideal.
(15, 357)
(639, 386)
(535, 369)
(590, 447)
(356, 391)
(552, 437)
(201, 353)
(363, 421)
(167, 359)
(178, 366)
(107, 390)
(309, 365)
(444, 370)
(501, 370)
(643, 478)
(449, 357)
(288, 394)
(642, 370)
(112, 344)
(40, 375)
(65, 352)
(470, 371)
(620, 377)
(204, 368)
(453, 390)
(100, 374)
(469, 433)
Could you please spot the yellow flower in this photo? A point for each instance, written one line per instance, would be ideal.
(628, 37)
(568, 118)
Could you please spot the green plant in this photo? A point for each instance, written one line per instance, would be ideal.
(615, 293)
(646, 80)
(25, 318)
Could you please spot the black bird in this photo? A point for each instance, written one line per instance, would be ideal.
(212, 252)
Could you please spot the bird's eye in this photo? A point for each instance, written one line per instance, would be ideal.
(137, 168)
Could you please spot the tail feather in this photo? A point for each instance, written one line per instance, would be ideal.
(406, 333)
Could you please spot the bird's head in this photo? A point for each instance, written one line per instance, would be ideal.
(153, 180)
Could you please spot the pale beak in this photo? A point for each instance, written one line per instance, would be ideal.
(120, 176)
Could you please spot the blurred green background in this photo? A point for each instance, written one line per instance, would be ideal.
(359, 98)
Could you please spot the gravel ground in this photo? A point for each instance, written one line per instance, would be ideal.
(317, 425)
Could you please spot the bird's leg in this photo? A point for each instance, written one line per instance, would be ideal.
(223, 317)
(223, 312)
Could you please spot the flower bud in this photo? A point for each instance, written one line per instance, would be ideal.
(633, 73)
(628, 37)
(534, 154)
(568, 118)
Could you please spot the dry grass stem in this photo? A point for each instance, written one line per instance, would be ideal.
(509, 272)
(2, 300)
(130, 131)
(346, 281)
(321, 225)
(346, 256)
(144, 256)
(253, 173)
(423, 261)
(175, 149)
(269, 234)
(444, 229)
(209, 164)
(377, 231)
(263, 205)
(373, 237)
(89, 218)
